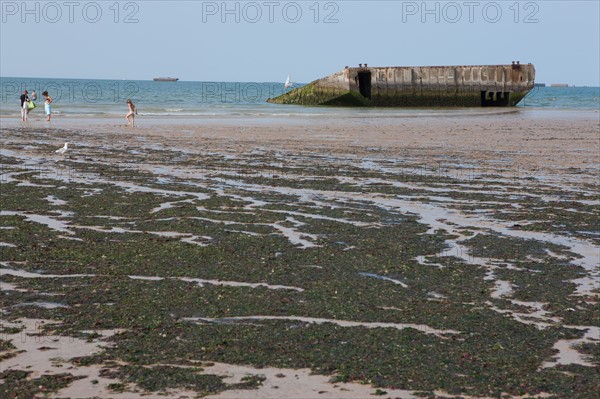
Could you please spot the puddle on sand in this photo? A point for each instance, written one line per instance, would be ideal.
(25, 274)
(53, 223)
(170, 204)
(55, 201)
(294, 384)
(136, 188)
(422, 260)
(342, 323)
(379, 277)
(146, 278)
(201, 282)
(45, 305)
(10, 287)
(193, 240)
(295, 237)
(537, 318)
(185, 237)
(501, 289)
(248, 233)
(436, 295)
(323, 217)
(312, 266)
(567, 354)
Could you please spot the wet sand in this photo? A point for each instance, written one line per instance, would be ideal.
(484, 177)
(548, 141)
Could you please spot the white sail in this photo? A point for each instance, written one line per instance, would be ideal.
(288, 82)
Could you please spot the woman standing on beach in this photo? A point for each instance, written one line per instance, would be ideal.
(24, 106)
(47, 106)
(132, 113)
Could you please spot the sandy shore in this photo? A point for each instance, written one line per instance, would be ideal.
(549, 141)
(417, 254)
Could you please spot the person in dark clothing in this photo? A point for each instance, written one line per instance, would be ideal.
(24, 106)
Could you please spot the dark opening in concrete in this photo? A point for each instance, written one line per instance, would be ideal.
(494, 98)
(364, 84)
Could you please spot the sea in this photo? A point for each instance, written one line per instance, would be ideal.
(99, 97)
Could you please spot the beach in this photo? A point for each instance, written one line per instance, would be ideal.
(439, 255)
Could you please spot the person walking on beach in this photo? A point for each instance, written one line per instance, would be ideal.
(132, 113)
(47, 106)
(33, 96)
(24, 106)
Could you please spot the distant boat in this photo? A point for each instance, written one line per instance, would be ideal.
(288, 83)
(168, 79)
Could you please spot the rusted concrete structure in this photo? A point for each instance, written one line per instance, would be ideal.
(426, 86)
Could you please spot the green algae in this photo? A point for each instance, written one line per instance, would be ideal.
(316, 94)
(17, 385)
(160, 378)
(6, 345)
(490, 354)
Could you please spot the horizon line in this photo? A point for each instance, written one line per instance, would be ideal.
(238, 81)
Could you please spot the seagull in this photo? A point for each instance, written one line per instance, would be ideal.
(62, 150)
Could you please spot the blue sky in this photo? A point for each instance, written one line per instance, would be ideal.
(266, 40)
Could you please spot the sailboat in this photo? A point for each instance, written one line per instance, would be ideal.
(288, 83)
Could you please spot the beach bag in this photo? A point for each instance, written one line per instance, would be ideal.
(30, 105)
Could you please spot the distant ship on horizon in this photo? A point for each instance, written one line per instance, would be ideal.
(166, 79)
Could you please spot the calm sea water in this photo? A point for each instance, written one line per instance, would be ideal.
(79, 97)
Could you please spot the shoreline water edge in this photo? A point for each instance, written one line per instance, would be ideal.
(86, 97)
